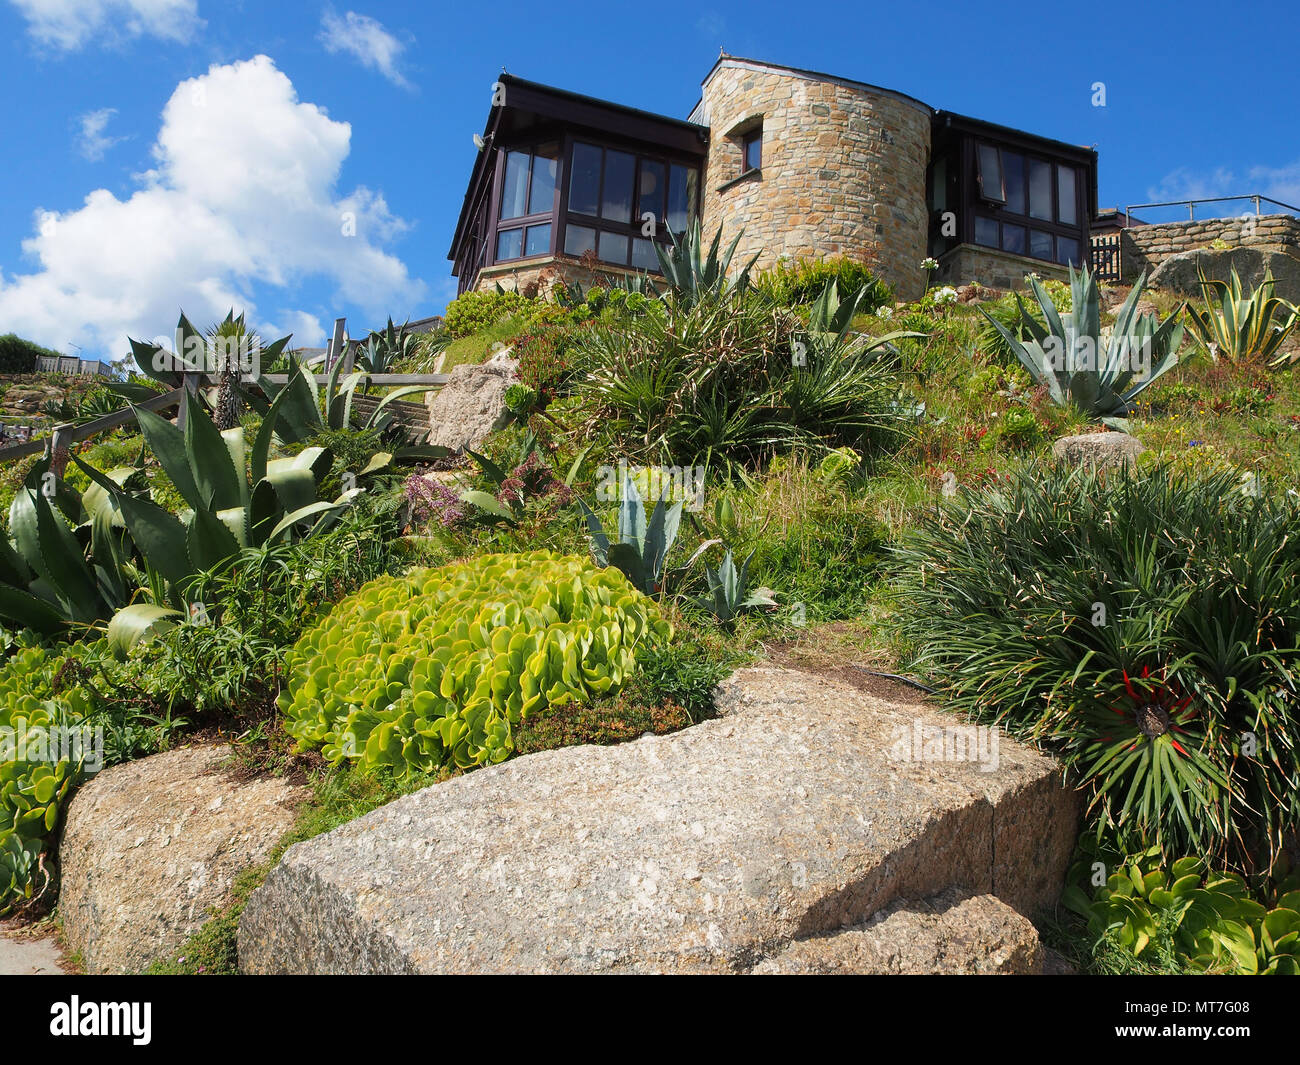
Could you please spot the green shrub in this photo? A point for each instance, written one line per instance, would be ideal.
(37, 766)
(1209, 922)
(803, 280)
(475, 311)
(19, 356)
(1146, 628)
(441, 665)
(545, 365)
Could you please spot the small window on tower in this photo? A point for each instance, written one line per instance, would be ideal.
(753, 146)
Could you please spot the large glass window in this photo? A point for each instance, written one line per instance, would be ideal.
(613, 194)
(616, 194)
(1065, 203)
(1025, 205)
(527, 194)
(584, 181)
(1040, 189)
(1013, 168)
(989, 160)
(682, 190)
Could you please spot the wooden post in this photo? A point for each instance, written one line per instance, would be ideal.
(336, 344)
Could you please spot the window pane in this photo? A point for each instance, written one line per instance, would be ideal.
(514, 190)
(754, 150)
(681, 197)
(541, 196)
(613, 248)
(939, 185)
(510, 244)
(616, 196)
(986, 232)
(1013, 239)
(579, 239)
(990, 173)
(539, 240)
(1013, 168)
(584, 183)
(650, 197)
(1040, 189)
(1040, 244)
(643, 254)
(1067, 250)
(1065, 208)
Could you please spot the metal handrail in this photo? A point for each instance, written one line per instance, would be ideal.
(1191, 205)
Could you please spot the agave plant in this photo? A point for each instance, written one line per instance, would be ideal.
(46, 582)
(691, 275)
(1098, 374)
(642, 543)
(729, 592)
(1237, 328)
(307, 409)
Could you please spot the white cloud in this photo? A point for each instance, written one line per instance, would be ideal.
(68, 24)
(1276, 182)
(365, 39)
(242, 194)
(92, 142)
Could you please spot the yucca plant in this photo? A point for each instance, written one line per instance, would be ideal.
(1144, 627)
(1237, 328)
(1098, 374)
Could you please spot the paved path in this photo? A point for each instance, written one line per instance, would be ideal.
(22, 956)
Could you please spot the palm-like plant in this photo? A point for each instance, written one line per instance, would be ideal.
(1145, 627)
(1099, 375)
(1238, 328)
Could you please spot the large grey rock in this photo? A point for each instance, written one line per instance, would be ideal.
(950, 934)
(151, 847)
(1098, 450)
(1178, 272)
(472, 403)
(807, 807)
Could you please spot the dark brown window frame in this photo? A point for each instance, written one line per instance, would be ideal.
(533, 218)
(632, 229)
(983, 207)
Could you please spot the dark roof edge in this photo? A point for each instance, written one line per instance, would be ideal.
(507, 79)
(995, 127)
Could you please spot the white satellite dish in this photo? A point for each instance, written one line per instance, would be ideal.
(479, 142)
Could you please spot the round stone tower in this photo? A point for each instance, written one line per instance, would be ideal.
(841, 169)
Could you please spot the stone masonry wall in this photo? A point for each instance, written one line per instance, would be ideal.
(1146, 247)
(992, 267)
(544, 272)
(843, 171)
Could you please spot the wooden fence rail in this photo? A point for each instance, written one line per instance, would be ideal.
(66, 435)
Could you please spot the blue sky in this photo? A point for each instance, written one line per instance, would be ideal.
(198, 154)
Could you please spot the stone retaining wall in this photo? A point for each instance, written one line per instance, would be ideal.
(1146, 247)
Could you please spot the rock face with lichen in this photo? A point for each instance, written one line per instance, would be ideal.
(151, 847)
(806, 808)
(1098, 450)
(472, 403)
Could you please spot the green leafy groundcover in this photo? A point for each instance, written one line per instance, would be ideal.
(40, 763)
(438, 666)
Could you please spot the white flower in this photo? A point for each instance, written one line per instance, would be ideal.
(944, 296)
(929, 264)
(886, 312)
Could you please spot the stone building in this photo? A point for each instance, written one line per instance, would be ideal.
(796, 163)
